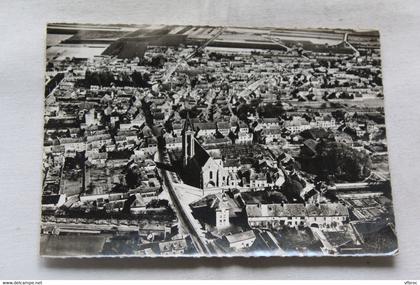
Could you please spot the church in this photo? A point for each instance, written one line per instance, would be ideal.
(201, 168)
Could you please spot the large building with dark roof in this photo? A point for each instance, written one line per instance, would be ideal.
(200, 168)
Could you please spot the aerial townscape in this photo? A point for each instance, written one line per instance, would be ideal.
(169, 140)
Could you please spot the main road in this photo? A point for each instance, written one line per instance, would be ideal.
(185, 221)
(172, 69)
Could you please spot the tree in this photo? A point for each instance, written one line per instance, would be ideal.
(292, 189)
(340, 161)
(158, 61)
(243, 111)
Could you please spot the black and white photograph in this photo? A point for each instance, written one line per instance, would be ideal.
(188, 140)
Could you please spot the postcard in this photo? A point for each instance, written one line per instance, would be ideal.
(171, 140)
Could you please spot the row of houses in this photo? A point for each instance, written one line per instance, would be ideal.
(272, 216)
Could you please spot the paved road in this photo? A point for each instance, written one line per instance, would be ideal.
(280, 43)
(168, 179)
(350, 45)
(277, 41)
(199, 244)
(250, 88)
(171, 70)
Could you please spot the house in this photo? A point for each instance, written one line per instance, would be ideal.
(269, 122)
(374, 233)
(173, 247)
(223, 128)
(128, 134)
(326, 215)
(297, 125)
(327, 121)
(177, 129)
(243, 128)
(205, 129)
(270, 176)
(73, 144)
(275, 216)
(309, 148)
(93, 118)
(244, 136)
(216, 210)
(155, 231)
(165, 107)
(148, 164)
(97, 157)
(240, 241)
(138, 205)
(215, 142)
(339, 242)
(344, 138)
(99, 139)
(150, 192)
(149, 146)
(173, 142)
(258, 181)
(272, 134)
(233, 179)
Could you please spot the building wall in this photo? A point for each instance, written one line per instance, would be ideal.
(276, 222)
(213, 175)
(222, 218)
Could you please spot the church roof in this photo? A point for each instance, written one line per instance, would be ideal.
(200, 155)
(188, 124)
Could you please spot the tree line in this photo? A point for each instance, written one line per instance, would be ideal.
(108, 78)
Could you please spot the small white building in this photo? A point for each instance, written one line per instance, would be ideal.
(297, 125)
(240, 241)
(173, 247)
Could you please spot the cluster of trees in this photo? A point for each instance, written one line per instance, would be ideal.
(219, 56)
(133, 175)
(293, 186)
(156, 61)
(194, 112)
(107, 78)
(271, 110)
(340, 161)
(243, 112)
(267, 111)
(76, 162)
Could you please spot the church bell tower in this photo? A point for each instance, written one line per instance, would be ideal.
(188, 140)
